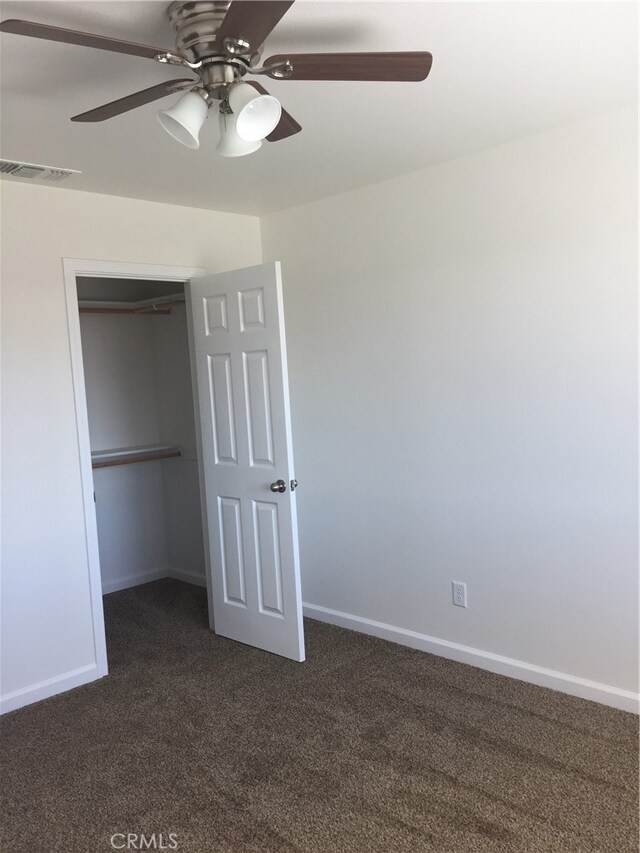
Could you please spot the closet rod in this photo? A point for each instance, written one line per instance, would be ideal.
(130, 311)
(136, 456)
(159, 307)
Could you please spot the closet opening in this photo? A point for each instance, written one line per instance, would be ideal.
(142, 431)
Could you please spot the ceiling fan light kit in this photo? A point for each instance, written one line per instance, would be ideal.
(256, 115)
(185, 118)
(231, 144)
(221, 42)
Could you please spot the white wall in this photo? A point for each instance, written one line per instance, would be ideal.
(138, 382)
(463, 362)
(120, 380)
(44, 559)
(132, 529)
(122, 388)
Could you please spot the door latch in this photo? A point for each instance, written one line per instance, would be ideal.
(281, 486)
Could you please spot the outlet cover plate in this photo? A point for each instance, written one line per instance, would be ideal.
(459, 593)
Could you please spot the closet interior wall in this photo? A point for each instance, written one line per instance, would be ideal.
(138, 387)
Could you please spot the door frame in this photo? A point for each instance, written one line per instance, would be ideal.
(73, 267)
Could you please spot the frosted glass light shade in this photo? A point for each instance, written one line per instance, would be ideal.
(256, 115)
(185, 118)
(232, 145)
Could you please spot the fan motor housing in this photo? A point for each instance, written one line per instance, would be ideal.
(197, 23)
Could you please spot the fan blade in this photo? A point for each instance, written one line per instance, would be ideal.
(251, 20)
(44, 31)
(287, 125)
(130, 102)
(401, 67)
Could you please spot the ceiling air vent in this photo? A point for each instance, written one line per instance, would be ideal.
(34, 171)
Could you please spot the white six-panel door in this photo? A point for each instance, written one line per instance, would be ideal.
(239, 354)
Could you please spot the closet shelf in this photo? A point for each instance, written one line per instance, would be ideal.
(129, 455)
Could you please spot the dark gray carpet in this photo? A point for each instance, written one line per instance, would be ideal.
(368, 746)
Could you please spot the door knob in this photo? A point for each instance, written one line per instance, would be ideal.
(278, 486)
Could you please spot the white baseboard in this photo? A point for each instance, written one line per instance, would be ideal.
(133, 580)
(187, 577)
(157, 574)
(77, 677)
(49, 687)
(625, 700)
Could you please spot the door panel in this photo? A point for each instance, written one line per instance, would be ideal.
(224, 427)
(258, 403)
(239, 355)
(265, 531)
(231, 552)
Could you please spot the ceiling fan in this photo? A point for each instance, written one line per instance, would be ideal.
(221, 42)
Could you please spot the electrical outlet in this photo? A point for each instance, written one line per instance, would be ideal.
(459, 593)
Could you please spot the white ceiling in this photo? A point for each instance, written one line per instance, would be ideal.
(501, 71)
